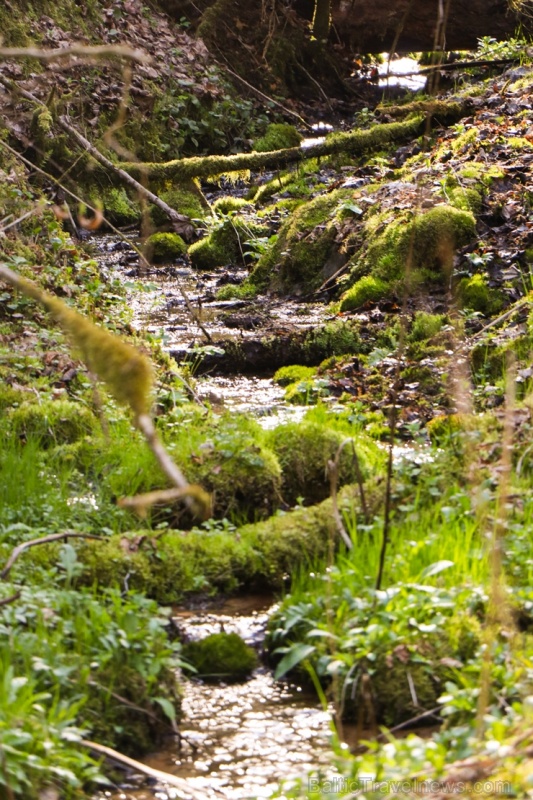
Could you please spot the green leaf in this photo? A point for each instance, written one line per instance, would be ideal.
(434, 569)
(295, 655)
(168, 708)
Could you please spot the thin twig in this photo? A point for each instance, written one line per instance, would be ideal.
(53, 537)
(11, 599)
(263, 96)
(156, 774)
(195, 498)
(333, 472)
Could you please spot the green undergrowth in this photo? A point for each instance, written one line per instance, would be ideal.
(421, 635)
(76, 665)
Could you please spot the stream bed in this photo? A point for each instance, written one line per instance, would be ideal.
(239, 739)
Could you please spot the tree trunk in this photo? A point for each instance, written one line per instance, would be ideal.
(373, 27)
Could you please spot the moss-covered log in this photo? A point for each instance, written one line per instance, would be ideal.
(356, 142)
(443, 111)
(173, 564)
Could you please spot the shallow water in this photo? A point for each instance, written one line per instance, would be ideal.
(239, 739)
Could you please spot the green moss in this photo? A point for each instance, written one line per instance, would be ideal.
(474, 293)
(303, 246)
(221, 656)
(118, 208)
(164, 247)
(303, 450)
(286, 375)
(53, 422)
(425, 326)
(173, 564)
(428, 242)
(245, 291)
(467, 198)
(227, 203)
(184, 200)
(367, 289)
(225, 244)
(391, 684)
(277, 137)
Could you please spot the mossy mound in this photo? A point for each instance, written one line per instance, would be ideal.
(53, 422)
(475, 293)
(303, 450)
(221, 656)
(165, 247)
(169, 565)
(425, 326)
(226, 244)
(408, 252)
(118, 208)
(366, 290)
(278, 136)
(304, 244)
(228, 203)
(287, 375)
(189, 202)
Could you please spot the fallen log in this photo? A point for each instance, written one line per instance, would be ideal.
(355, 142)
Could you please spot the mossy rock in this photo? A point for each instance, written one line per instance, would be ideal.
(226, 244)
(475, 293)
(118, 208)
(277, 137)
(221, 656)
(410, 252)
(303, 450)
(189, 202)
(366, 290)
(53, 422)
(293, 373)
(165, 247)
(305, 243)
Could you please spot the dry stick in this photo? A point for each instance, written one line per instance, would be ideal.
(193, 495)
(53, 537)
(183, 224)
(498, 615)
(156, 774)
(11, 599)
(75, 197)
(89, 51)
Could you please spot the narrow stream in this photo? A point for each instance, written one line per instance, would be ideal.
(240, 739)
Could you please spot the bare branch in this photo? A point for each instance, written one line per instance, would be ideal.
(11, 599)
(53, 537)
(156, 774)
